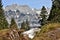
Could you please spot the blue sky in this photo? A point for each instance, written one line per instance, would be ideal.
(32, 3)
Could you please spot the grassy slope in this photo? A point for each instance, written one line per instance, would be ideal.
(45, 32)
(3, 32)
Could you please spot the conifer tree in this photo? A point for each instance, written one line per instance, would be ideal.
(13, 24)
(25, 25)
(43, 15)
(55, 11)
(3, 21)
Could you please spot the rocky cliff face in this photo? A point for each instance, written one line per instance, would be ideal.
(21, 13)
(21, 8)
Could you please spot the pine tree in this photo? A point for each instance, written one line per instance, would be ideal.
(3, 21)
(43, 14)
(13, 24)
(25, 25)
(55, 11)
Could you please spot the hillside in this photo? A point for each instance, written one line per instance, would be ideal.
(8, 34)
(49, 31)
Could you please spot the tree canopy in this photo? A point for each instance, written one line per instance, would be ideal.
(3, 21)
(13, 24)
(55, 11)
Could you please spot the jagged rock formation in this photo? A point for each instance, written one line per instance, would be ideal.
(21, 13)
